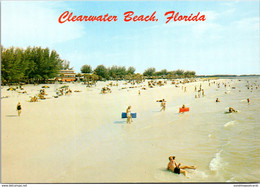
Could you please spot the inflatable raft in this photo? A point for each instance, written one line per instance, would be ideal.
(125, 116)
(187, 109)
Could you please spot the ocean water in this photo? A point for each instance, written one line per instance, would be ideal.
(225, 147)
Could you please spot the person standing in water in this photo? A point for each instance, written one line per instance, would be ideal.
(177, 168)
(128, 115)
(19, 108)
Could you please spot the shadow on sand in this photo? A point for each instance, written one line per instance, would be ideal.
(119, 122)
(11, 116)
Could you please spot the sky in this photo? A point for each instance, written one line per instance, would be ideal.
(227, 42)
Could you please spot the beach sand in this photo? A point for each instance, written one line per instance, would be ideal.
(81, 137)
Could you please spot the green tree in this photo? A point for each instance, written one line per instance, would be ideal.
(29, 64)
(101, 71)
(86, 69)
(149, 72)
(179, 73)
(117, 72)
(130, 70)
(162, 72)
(189, 74)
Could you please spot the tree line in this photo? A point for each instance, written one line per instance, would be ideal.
(36, 64)
(30, 65)
(120, 72)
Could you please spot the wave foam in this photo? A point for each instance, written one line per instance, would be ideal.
(199, 174)
(216, 163)
(230, 123)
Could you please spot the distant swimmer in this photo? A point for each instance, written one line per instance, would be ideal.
(217, 100)
(128, 114)
(19, 108)
(177, 168)
(231, 110)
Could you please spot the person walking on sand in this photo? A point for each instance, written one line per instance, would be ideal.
(128, 115)
(248, 100)
(19, 108)
(177, 168)
(163, 105)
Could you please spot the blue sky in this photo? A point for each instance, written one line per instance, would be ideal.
(226, 43)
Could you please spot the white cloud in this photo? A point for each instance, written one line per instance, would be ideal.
(35, 23)
(248, 23)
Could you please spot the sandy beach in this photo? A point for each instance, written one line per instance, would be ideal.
(81, 137)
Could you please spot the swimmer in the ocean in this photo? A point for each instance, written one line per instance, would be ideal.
(177, 168)
(231, 110)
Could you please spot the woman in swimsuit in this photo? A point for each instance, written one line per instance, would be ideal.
(128, 114)
(19, 108)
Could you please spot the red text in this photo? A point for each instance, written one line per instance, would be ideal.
(178, 17)
(68, 16)
(128, 17)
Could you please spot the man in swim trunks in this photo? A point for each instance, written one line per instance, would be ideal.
(176, 168)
